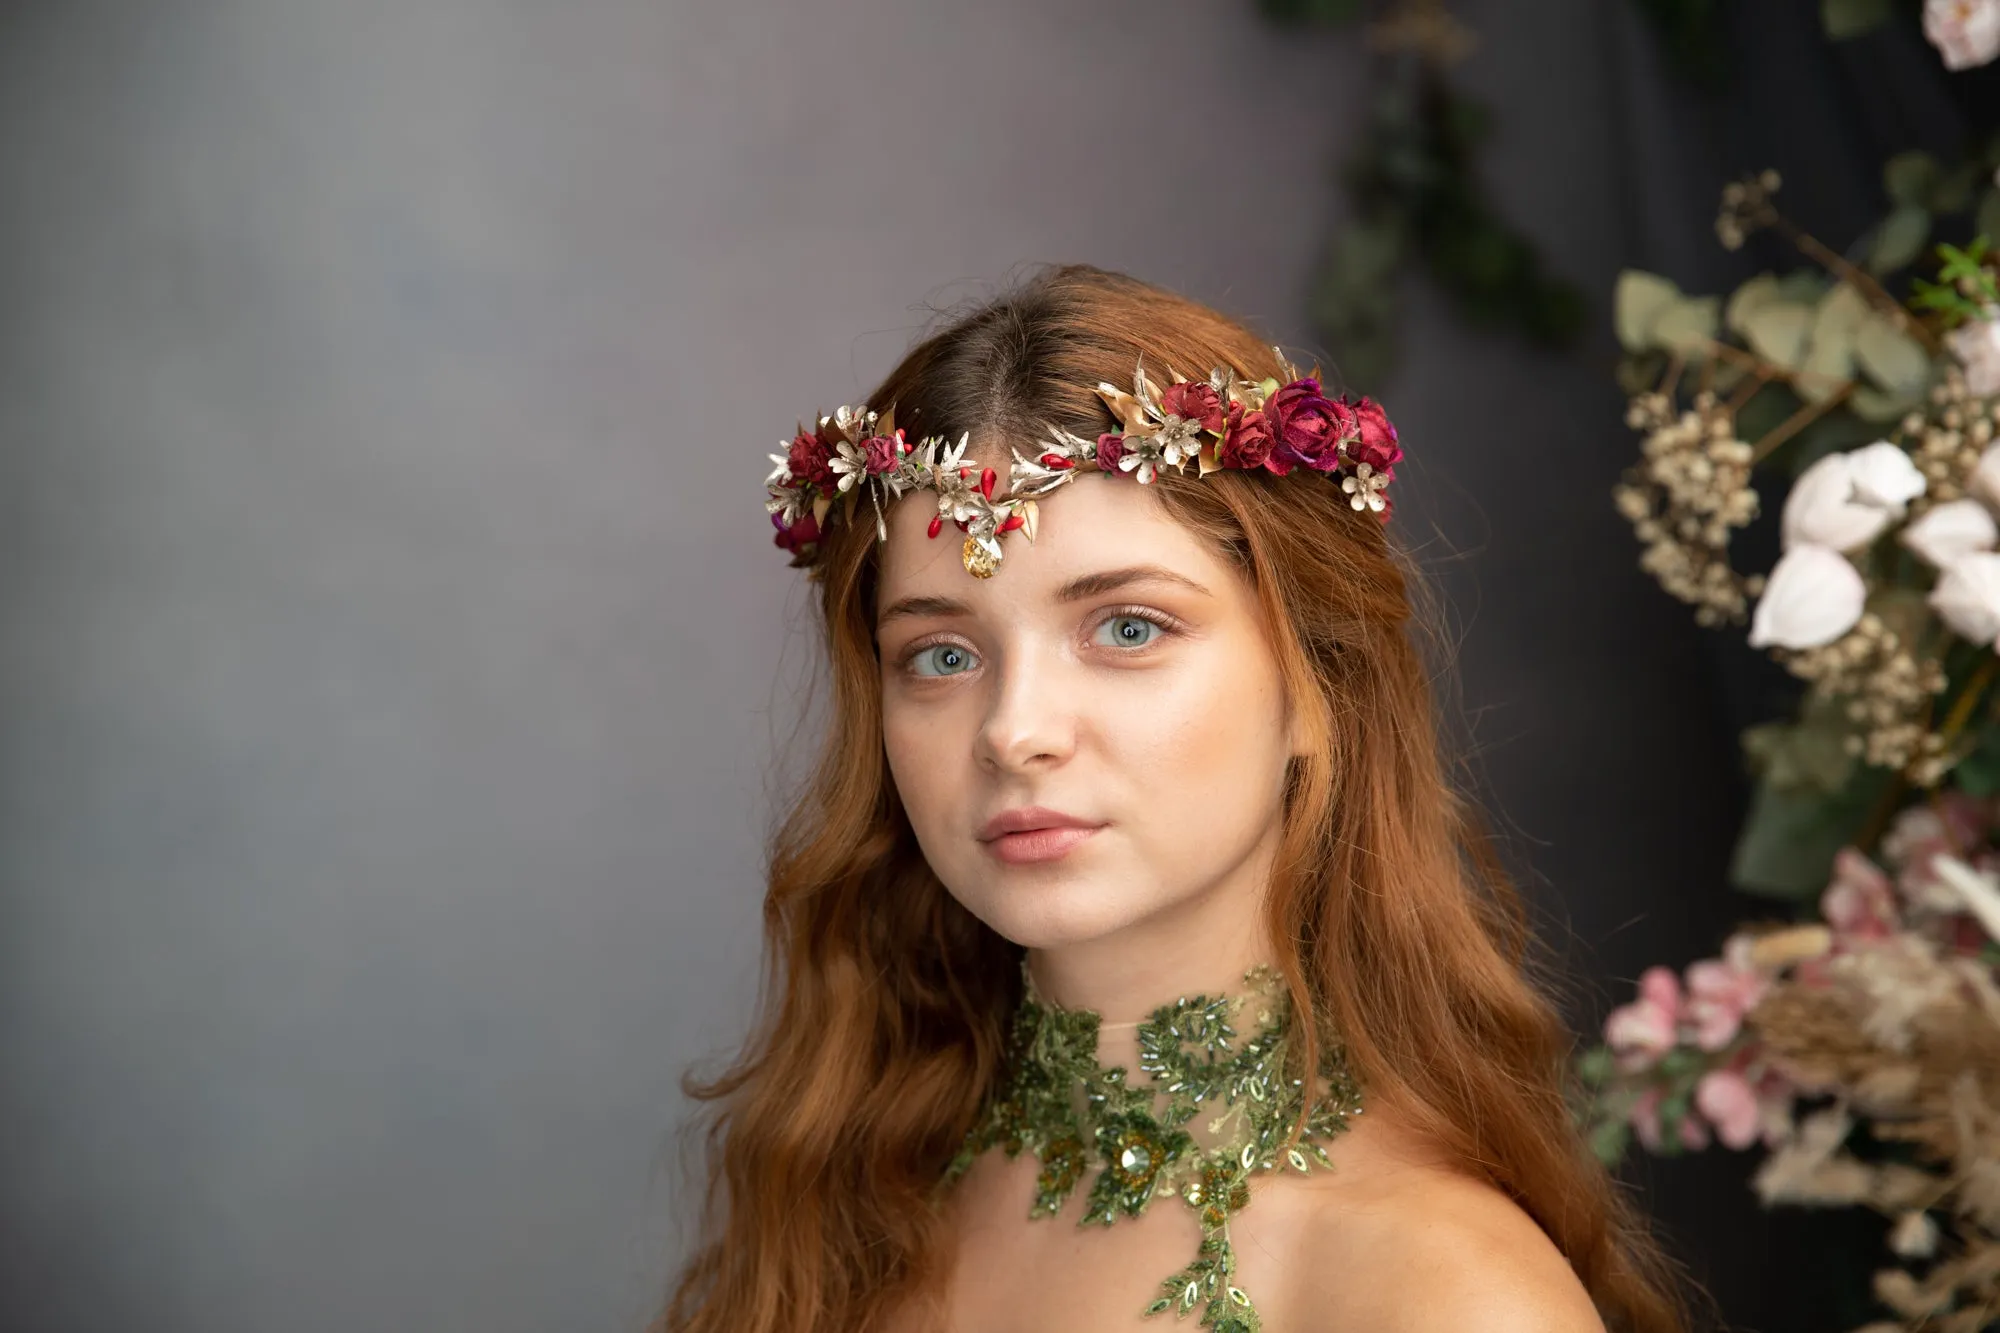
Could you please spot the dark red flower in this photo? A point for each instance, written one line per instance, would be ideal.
(1377, 445)
(808, 458)
(1194, 401)
(1247, 444)
(800, 535)
(1308, 427)
(1110, 448)
(878, 454)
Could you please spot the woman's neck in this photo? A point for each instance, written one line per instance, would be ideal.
(1202, 947)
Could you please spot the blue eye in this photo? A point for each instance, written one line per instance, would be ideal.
(1130, 631)
(941, 659)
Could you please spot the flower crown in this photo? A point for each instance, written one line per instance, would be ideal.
(1221, 422)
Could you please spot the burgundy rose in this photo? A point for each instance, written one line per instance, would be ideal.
(1110, 448)
(808, 458)
(1247, 443)
(878, 454)
(1377, 446)
(801, 534)
(1194, 401)
(1309, 428)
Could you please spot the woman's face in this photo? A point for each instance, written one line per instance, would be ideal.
(1093, 739)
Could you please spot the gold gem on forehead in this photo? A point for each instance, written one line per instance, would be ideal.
(1223, 422)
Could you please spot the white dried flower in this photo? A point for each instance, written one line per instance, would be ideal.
(1965, 32)
(1947, 531)
(1967, 597)
(1814, 596)
(1825, 508)
(1884, 476)
(1977, 346)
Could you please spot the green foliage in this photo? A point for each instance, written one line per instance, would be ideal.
(1965, 284)
(1417, 198)
(1850, 18)
(1692, 32)
(1803, 810)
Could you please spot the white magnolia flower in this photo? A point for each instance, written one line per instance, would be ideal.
(1965, 32)
(1950, 530)
(1885, 476)
(1825, 508)
(1967, 596)
(1812, 597)
(1977, 346)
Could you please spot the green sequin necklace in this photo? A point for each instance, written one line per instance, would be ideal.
(1055, 1100)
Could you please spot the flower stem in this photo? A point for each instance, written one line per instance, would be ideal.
(1975, 689)
(1797, 422)
(1860, 279)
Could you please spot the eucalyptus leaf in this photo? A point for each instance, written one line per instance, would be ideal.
(1789, 837)
(1978, 774)
(1639, 299)
(1804, 284)
(1830, 360)
(1688, 325)
(1880, 406)
(1794, 756)
(1892, 358)
(1777, 331)
(1900, 238)
(1908, 178)
(1748, 299)
(1850, 18)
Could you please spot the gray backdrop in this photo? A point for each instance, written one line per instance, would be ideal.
(393, 659)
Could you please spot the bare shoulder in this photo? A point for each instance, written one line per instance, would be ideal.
(1409, 1246)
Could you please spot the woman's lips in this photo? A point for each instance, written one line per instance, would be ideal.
(1040, 844)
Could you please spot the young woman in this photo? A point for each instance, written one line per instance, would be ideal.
(1131, 960)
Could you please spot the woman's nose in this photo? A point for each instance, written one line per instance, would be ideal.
(1030, 717)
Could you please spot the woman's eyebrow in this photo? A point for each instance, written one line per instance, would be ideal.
(1084, 585)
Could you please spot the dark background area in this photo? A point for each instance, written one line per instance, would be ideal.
(395, 667)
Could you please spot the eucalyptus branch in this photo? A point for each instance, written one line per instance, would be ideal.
(1797, 422)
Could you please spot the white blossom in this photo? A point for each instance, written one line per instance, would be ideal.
(1965, 32)
(1813, 596)
(1950, 530)
(1977, 346)
(1825, 509)
(1885, 477)
(1967, 596)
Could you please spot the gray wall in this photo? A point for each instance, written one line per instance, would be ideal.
(393, 661)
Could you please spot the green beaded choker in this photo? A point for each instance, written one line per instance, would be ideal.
(1055, 1100)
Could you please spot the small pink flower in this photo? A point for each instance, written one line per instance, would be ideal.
(1720, 992)
(1194, 401)
(1726, 1098)
(1641, 1032)
(1859, 903)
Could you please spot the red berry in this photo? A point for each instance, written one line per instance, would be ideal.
(936, 524)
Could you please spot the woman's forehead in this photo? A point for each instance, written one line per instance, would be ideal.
(1096, 523)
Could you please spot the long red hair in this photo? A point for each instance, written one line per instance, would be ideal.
(885, 1002)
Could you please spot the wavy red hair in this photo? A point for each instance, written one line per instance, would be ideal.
(885, 1002)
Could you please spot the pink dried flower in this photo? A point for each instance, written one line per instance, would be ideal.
(1720, 992)
(1859, 904)
(1641, 1032)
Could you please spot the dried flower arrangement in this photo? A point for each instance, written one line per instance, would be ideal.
(1874, 1021)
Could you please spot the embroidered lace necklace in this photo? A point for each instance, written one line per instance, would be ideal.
(1055, 1100)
